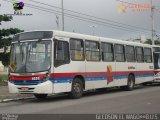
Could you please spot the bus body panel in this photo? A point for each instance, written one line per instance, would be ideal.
(96, 74)
(43, 88)
(157, 75)
(156, 56)
(64, 75)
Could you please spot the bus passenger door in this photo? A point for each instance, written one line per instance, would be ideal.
(62, 68)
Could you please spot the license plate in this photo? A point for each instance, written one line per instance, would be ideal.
(24, 88)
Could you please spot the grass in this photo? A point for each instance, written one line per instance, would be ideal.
(3, 77)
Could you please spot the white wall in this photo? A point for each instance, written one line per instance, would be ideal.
(2, 69)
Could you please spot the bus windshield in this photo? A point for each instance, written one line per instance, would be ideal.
(31, 56)
(157, 60)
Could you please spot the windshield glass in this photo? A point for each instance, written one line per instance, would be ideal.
(32, 56)
(157, 60)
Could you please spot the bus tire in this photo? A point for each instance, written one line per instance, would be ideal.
(40, 96)
(77, 89)
(130, 83)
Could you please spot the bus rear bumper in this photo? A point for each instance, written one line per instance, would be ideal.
(42, 88)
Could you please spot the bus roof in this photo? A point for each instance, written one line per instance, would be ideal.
(91, 37)
(103, 39)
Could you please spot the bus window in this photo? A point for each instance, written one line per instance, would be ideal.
(147, 55)
(92, 51)
(156, 60)
(76, 49)
(139, 54)
(61, 53)
(107, 51)
(119, 53)
(130, 54)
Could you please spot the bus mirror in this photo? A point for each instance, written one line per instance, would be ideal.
(39, 40)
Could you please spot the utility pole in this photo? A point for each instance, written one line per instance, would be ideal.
(57, 21)
(93, 26)
(152, 17)
(62, 16)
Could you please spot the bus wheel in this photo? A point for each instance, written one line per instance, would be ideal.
(130, 83)
(40, 96)
(77, 89)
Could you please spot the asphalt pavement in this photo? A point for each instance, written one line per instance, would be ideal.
(143, 99)
(5, 96)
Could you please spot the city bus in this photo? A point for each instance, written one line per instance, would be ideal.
(53, 62)
(156, 55)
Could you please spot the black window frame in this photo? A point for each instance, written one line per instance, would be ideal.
(93, 51)
(119, 53)
(82, 43)
(140, 54)
(58, 63)
(112, 52)
(133, 60)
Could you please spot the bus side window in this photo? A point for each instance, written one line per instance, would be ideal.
(119, 53)
(92, 51)
(139, 54)
(61, 53)
(130, 53)
(76, 49)
(148, 55)
(107, 52)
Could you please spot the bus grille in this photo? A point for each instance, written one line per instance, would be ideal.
(27, 82)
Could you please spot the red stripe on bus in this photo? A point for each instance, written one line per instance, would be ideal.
(63, 75)
(57, 75)
(20, 77)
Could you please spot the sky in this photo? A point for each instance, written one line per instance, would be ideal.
(112, 23)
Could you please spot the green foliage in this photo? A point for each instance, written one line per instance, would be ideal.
(5, 42)
(5, 18)
(8, 32)
(157, 42)
(5, 59)
(149, 41)
(3, 77)
(5, 39)
(5, 36)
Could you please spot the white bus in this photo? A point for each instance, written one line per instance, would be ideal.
(156, 56)
(52, 62)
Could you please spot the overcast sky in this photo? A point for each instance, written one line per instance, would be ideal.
(105, 9)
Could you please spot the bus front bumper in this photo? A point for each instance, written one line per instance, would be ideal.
(156, 80)
(42, 88)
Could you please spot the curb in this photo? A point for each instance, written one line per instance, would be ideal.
(15, 99)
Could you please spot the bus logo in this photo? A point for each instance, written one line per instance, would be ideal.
(109, 74)
(18, 7)
(123, 7)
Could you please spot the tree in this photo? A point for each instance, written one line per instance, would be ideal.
(149, 41)
(5, 18)
(5, 38)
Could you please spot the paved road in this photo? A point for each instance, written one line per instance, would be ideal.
(141, 100)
